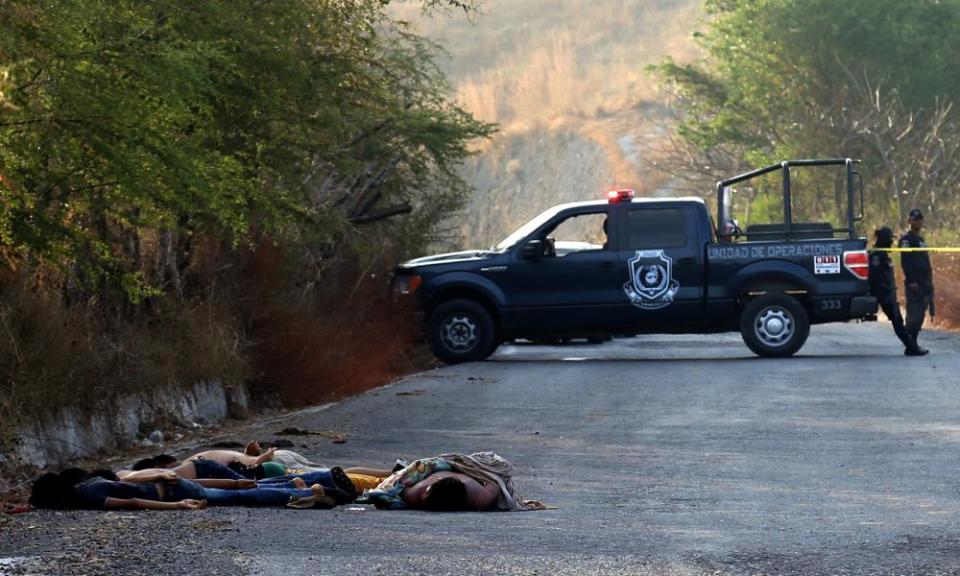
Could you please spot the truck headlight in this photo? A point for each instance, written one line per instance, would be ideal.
(406, 285)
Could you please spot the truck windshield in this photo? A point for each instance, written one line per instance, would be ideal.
(525, 230)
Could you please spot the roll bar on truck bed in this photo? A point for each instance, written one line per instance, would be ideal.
(853, 176)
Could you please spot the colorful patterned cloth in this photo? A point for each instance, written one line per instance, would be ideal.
(482, 466)
(387, 494)
(491, 467)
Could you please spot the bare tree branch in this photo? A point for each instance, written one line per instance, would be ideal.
(382, 214)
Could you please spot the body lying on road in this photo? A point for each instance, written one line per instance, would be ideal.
(163, 491)
(477, 482)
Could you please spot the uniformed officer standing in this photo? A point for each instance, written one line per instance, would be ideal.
(918, 276)
(884, 288)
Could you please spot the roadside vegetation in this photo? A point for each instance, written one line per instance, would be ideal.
(565, 80)
(214, 190)
(218, 190)
(869, 79)
(791, 78)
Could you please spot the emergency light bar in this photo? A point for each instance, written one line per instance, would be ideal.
(620, 195)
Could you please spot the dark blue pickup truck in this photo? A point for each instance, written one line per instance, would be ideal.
(625, 266)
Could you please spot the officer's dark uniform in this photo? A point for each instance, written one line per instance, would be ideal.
(883, 286)
(916, 270)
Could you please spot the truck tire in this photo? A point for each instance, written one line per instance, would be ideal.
(774, 325)
(461, 331)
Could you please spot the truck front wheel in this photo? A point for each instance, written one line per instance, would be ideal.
(461, 331)
(774, 325)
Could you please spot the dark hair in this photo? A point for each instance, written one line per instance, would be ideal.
(54, 491)
(158, 461)
(446, 495)
(144, 464)
(73, 476)
(103, 473)
(164, 461)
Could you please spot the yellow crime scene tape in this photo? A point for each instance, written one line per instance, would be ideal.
(945, 249)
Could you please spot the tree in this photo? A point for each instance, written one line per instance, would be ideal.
(790, 78)
(124, 124)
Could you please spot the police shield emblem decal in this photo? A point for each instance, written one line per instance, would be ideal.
(651, 284)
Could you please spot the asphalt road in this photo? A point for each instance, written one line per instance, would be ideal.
(664, 455)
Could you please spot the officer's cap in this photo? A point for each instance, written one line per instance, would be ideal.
(916, 214)
(884, 235)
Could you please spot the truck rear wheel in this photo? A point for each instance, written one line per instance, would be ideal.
(461, 331)
(774, 325)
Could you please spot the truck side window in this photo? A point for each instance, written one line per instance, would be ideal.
(656, 228)
(579, 233)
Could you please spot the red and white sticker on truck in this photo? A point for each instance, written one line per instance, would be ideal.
(827, 264)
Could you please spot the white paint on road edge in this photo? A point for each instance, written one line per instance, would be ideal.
(302, 412)
(11, 562)
(257, 421)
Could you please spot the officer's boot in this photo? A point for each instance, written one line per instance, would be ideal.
(903, 336)
(916, 335)
(914, 349)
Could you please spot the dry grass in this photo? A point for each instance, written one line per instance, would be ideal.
(532, 65)
(247, 318)
(552, 72)
(345, 337)
(248, 327)
(946, 275)
(308, 359)
(83, 355)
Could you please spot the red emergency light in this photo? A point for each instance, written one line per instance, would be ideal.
(620, 195)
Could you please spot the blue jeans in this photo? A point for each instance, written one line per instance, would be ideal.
(272, 496)
(321, 477)
(210, 469)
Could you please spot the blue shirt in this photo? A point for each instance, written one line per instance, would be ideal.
(94, 492)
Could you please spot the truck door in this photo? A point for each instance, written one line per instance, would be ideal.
(573, 286)
(661, 267)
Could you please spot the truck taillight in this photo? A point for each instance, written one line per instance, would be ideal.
(858, 263)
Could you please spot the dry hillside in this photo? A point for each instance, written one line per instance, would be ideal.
(566, 82)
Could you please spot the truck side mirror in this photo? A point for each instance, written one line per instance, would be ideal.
(731, 231)
(532, 250)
